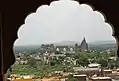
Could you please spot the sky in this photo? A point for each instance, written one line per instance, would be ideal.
(63, 20)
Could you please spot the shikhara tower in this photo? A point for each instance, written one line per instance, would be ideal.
(83, 46)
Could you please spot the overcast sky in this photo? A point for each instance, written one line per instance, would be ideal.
(63, 20)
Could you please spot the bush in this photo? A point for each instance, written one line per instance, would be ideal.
(53, 62)
(32, 62)
(103, 62)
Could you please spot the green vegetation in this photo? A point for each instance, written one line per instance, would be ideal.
(32, 62)
(41, 70)
(103, 62)
(38, 68)
(85, 58)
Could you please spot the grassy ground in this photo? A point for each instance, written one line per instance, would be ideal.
(39, 70)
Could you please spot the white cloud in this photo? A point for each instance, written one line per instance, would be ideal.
(64, 20)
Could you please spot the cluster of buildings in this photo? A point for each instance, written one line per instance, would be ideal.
(50, 48)
(49, 51)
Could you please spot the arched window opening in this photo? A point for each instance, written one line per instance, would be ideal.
(62, 39)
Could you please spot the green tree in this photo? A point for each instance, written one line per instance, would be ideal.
(83, 61)
(103, 62)
(32, 62)
(53, 62)
(82, 58)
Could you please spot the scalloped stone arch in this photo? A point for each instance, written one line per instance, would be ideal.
(77, 3)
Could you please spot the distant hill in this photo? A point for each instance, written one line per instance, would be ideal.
(102, 45)
(102, 42)
(66, 43)
(27, 48)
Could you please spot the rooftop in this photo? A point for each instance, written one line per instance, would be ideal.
(79, 75)
(85, 69)
(94, 64)
(102, 78)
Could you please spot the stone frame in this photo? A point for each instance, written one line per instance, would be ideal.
(11, 19)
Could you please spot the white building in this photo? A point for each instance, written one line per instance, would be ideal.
(57, 49)
(71, 49)
(94, 65)
(23, 62)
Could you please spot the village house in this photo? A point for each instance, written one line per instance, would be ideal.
(90, 70)
(102, 79)
(80, 77)
(23, 62)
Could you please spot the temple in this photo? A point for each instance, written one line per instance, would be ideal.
(83, 46)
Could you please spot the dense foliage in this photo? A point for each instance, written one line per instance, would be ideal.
(82, 59)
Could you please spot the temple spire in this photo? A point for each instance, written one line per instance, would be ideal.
(84, 40)
(84, 45)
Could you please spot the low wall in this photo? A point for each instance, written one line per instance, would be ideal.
(23, 80)
(102, 80)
